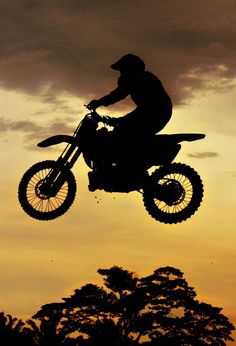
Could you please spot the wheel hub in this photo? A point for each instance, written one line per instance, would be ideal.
(174, 192)
(41, 191)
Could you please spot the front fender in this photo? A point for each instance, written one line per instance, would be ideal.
(56, 140)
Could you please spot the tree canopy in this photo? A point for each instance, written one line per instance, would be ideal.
(159, 309)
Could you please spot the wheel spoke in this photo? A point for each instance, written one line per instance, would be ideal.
(177, 195)
(42, 202)
(36, 194)
(186, 196)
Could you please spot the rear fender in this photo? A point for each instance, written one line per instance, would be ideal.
(188, 137)
(179, 137)
(56, 140)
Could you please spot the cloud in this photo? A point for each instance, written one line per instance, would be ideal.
(34, 132)
(232, 174)
(69, 45)
(204, 155)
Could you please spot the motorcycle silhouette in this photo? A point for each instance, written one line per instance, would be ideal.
(171, 193)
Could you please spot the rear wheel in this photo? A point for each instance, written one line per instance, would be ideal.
(38, 201)
(173, 193)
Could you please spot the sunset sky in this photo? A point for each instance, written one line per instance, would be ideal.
(54, 58)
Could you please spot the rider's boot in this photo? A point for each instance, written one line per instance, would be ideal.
(99, 177)
(94, 183)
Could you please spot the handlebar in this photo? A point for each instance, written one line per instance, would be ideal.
(103, 118)
(88, 107)
(94, 114)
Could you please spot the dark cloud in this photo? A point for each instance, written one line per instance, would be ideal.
(204, 155)
(33, 132)
(53, 46)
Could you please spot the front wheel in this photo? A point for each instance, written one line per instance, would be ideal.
(173, 193)
(40, 202)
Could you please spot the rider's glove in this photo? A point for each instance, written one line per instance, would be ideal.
(93, 104)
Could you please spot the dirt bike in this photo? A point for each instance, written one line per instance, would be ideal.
(171, 193)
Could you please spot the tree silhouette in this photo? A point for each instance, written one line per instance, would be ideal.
(13, 331)
(160, 309)
(49, 331)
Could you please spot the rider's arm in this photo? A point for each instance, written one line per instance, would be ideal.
(116, 95)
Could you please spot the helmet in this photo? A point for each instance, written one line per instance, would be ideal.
(129, 62)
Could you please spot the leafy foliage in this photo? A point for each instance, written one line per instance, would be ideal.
(160, 309)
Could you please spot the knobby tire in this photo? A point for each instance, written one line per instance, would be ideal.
(43, 207)
(177, 213)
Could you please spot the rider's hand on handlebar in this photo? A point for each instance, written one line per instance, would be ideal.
(93, 105)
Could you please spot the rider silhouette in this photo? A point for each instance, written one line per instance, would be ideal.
(154, 107)
(153, 111)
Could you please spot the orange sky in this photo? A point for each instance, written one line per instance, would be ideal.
(44, 261)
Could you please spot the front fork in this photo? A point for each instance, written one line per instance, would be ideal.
(57, 176)
(54, 181)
